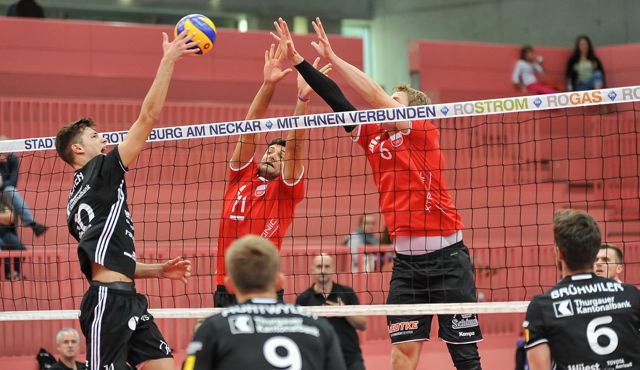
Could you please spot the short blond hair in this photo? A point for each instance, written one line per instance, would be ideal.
(416, 97)
(252, 264)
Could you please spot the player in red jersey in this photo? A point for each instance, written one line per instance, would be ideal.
(261, 196)
(432, 263)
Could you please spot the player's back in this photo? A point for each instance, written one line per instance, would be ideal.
(589, 322)
(263, 334)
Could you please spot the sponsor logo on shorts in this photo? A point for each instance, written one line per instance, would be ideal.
(164, 347)
(403, 326)
(464, 321)
(133, 322)
(466, 333)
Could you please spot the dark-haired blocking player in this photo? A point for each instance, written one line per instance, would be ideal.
(261, 333)
(432, 263)
(585, 322)
(113, 317)
(261, 196)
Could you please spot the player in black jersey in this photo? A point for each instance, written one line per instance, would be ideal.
(260, 333)
(585, 322)
(113, 317)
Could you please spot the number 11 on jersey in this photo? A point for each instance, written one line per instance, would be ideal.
(237, 213)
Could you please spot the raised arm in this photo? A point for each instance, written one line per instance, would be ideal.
(371, 91)
(318, 81)
(293, 155)
(273, 73)
(134, 142)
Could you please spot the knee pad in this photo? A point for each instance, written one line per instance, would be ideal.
(465, 356)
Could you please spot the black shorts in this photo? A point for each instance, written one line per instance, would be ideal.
(443, 276)
(118, 328)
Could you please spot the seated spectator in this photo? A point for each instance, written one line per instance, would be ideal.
(9, 240)
(363, 235)
(68, 341)
(9, 168)
(609, 262)
(528, 71)
(584, 68)
(25, 8)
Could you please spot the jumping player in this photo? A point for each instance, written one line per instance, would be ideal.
(261, 196)
(432, 263)
(585, 321)
(113, 317)
(261, 333)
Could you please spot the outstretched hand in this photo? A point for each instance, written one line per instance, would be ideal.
(180, 46)
(285, 42)
(304, 90)
(177, 269)
(273, 69)
(322, 46)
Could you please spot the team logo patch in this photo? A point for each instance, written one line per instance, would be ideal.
(241, 324)
(133, 322)
(463, 321)
(563, 308)
(260, 190)
(397, 139)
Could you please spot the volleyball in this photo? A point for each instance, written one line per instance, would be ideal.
(205, 31)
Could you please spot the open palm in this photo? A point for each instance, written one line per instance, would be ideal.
(273, 66)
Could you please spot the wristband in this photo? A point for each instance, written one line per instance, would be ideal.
(302, 99)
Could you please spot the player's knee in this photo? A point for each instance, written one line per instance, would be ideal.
(405, 355)
(465, 356)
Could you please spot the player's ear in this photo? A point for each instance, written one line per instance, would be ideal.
(228, 283)
(279, 281)
(619, 269)
(77, 149)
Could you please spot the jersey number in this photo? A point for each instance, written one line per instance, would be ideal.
(291, 360)
(237, 213)
(80, 226)
(593, 334)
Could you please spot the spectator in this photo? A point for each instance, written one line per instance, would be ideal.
(584, 69)
(529, 68)
(25, 8)
(363, 235)
(68, 341)
(9, 168)
(325, 292)
(609, 262)
(9, 240)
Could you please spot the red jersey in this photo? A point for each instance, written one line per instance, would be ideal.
(407, 169)
(254, 205)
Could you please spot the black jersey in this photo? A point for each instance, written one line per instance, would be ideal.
(263, 335)
(588, 322)
(98, 216)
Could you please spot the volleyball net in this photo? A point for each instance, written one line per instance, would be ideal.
(509, 164)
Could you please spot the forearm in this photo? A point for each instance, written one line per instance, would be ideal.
(148, 270)
(360, 82)
(358, 322)
(295, 146)
(261, 101)
(155, 98)
(325, 87)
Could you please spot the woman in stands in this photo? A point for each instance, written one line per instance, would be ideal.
(584, 69)
(528, 71)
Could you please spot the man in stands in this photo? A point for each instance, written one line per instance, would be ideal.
(68, 342)
(327, 292)
(585, 321)
(609, 262)
(260, 333)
